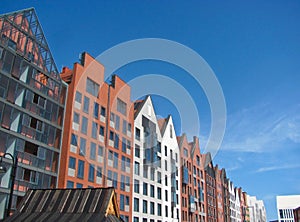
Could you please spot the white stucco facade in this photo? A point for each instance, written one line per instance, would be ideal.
(152, 174)
(285, 207)
(257, 211)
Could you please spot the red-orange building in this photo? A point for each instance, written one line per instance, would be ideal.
(193, 202)
(219, 195)
(98, 134)
(210, 184)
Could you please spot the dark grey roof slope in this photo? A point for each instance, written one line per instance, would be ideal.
(88, 204)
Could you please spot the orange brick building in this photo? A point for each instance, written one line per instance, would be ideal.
(193, 202)
(210, 183)
(98, 134)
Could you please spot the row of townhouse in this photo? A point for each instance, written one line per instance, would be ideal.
(75, 129)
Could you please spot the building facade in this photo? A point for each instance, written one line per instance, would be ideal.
(156, 162)
(32, 101)
(257, 211)
(98, 132)
(219, 195)
(286, 206)
(193, 187)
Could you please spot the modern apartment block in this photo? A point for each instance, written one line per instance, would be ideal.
(32, 101)
(193, 185)
(156, 162)
(98, 132)
(288, 208)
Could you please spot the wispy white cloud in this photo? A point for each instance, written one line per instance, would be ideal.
(278, 167)
(261, 129)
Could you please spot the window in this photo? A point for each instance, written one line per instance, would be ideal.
(84, 125)
(92, 87)
(166, 165)
(79, 185)
(121, 106)
(185, 152)
(94, 130)
(136, 205)
(91, 173)
(137, 168)
(115, 180)
(166, 195)
(96, 110)
(93, 151)
(72, 163)
(152, 174)
(198, 160)
(80, 172)
(122, 186)
(101, 131)
(78, 97)
(135, 219)
(137, 134)
(124, 128)
(122, 202)
(70, 184)
(86, 104)
(117, 123)
(137, 151)
(74, 139)
(152, 208)
(102, 111)
(136, 186)
(116, 143)
(124, 141)
(159, 193)
(100, 150)
(159, 177)
(145, 172)
(99, 171)
(76, 117)
(115, 161)
(166, 151)
(159, 209)
(145, 188)
(123, 161)
(144, 206)
(82, 149)
(151, 190)
(111, 135)
(166, 211)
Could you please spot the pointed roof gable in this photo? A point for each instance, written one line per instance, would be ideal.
(87, 204)
(21, 30)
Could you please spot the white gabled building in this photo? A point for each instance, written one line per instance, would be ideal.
(170, 156)
(257, 211)
(155, 195)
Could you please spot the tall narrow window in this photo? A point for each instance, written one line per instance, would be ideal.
(86, 104)
(121, 106)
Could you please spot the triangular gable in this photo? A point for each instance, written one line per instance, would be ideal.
(21, 30)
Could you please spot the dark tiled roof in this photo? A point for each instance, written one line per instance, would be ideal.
(88, 204)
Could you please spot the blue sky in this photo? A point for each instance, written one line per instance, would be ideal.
(253, 48)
